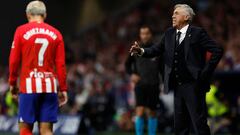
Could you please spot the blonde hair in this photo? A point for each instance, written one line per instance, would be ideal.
(188, 10)
(36, 8)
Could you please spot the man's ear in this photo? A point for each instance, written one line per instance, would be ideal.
(28, 16)
(186, 18)
(45, 16)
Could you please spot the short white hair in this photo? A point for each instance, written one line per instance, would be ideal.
(36, 8)
(188, 10)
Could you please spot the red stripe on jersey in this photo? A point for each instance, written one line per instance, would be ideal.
(33, 85)
(52, 84)
(43, 85)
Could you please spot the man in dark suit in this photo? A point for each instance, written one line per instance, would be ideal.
(183, 48)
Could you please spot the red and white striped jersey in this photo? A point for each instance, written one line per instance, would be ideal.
(38, 50)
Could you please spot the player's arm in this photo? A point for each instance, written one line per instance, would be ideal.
(60, 66)
(61, 71)
(14, 62)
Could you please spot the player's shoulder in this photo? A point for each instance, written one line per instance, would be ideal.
(55, 30)
(21, 27)
(36, 24)
(50, 27)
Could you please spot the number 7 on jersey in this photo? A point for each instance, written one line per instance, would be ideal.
(44, 43)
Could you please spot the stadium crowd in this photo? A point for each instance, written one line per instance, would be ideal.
(99, 87)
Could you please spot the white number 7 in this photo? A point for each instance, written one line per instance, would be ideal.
(44, 43)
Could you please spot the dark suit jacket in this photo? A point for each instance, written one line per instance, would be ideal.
(197, 43)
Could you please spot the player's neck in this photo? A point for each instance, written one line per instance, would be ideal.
(36, 19)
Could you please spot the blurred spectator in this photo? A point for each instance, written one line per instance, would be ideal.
(100, 107)
(218, 110)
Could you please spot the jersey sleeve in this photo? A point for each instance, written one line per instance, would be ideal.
(15, 58)
(60, 64)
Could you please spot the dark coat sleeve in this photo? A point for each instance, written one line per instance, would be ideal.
(155, 50)
(217, 52)
(161, 66)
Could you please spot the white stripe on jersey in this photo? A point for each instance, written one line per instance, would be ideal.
(48, 85)
(55, 85)
(39, 85)
(29, 85)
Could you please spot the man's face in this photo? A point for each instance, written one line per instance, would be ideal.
(179, 17)
(145, 35)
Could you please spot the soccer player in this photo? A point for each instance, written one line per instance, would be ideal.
(38, 52)
(145, 75)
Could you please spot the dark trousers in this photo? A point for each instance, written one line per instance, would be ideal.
(190, 107)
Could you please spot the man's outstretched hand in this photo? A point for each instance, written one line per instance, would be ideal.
(135, 49)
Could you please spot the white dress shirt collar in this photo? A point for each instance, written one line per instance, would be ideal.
(183, 30)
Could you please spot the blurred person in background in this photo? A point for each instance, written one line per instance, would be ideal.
(11, 103)
(236, 117)
(145, 79)
(218, 109)
(183, 48)
(99, 107)
(39, 49)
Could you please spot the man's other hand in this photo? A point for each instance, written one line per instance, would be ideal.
(14, 91)
(62, 98)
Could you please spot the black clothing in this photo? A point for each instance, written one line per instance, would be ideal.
(147, 96)
(147, 89)
(147, 69)
(180, 72)
(190, 108)
(196, 44)
(188, 74)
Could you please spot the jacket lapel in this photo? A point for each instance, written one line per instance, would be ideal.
(187, 41)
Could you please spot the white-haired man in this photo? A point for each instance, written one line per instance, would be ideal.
(39, 49)
(186, 71)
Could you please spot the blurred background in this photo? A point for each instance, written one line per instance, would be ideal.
(98, 35)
